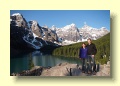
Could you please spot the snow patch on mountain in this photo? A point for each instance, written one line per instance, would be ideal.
(34, 35)
(25, 38)
(16, 14)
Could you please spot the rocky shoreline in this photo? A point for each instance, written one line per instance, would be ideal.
(63, 69)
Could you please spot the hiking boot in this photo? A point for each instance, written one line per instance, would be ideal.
(83, 71)
(89, 72)
(94, 73)
(86, 72)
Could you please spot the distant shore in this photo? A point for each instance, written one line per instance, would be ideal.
(63, 69)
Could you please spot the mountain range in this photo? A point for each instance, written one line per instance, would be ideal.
(72, 34)
(30, 34)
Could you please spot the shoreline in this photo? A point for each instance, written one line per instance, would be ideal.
(63, 69)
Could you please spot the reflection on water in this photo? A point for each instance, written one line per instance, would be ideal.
(31, 64)
(36, 58)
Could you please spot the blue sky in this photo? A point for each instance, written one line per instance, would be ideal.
(60, 18)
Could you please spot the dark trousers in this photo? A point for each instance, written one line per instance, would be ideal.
(91, 63)
(84, 64)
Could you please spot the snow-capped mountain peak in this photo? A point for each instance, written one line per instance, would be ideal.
(86, 27)
(32, 35)
(15, 14)
(69, 27)
(93, 33)
(67, 34)
(33, 22)
(103, 28)
(17, 19)
(72, 25)
(53, 27)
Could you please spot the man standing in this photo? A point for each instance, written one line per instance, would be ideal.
(91, 56)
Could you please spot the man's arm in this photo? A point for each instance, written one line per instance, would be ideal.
(95, 49)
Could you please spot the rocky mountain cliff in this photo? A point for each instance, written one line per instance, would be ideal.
(93, 33)
(72, 34)
(69, 33)
(31, 34)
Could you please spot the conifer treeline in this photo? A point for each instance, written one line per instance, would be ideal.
(102, 45)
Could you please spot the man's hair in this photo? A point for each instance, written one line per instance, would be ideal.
(89, 39)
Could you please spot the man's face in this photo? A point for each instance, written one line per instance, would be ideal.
(89, 41)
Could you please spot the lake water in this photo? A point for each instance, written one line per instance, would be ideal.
(36, 58)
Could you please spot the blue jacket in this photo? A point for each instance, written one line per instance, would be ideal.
(83, 53)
